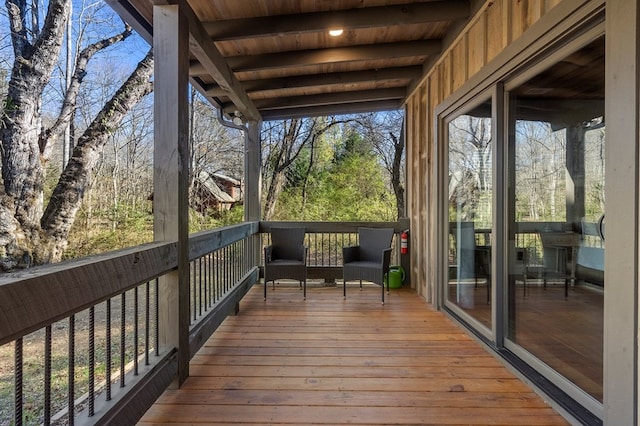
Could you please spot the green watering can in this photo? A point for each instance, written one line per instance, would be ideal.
(395, 277)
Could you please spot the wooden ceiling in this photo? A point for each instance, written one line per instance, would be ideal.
(272, 59)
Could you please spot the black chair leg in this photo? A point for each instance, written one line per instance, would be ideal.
(488, 291)
(344, 288)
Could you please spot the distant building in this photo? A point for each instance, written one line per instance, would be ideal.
(215, 191)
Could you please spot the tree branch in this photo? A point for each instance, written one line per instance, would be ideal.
(16, 9)
(69, 192)
(67, 112)
(47, 45)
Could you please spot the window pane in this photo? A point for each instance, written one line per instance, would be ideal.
(470, 217)
(556, 250)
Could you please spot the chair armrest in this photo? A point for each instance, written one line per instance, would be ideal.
(350, 254)
(267, 253)
(386, 259)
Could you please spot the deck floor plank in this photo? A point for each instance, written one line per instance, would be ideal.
(332, 361)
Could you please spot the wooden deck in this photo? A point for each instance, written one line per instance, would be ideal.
(332, 361)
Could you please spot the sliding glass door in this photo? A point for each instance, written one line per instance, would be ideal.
(556, 235)
(470, 171)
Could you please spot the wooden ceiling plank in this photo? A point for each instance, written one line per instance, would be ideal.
(396, 93)
(335, 55)
(402, 14)
(251, 86)
(213, 61)
(324, 110)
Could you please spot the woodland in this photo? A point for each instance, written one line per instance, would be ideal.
(77, 144)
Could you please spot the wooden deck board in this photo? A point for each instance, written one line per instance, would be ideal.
(332, 361)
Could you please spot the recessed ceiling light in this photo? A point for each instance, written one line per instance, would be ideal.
(336, 32)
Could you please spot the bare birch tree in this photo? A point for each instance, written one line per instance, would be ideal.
(31, 232)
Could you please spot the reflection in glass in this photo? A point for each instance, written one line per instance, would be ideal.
(470, 219)
(556, 186)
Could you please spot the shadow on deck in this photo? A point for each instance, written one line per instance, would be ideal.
(327, 360)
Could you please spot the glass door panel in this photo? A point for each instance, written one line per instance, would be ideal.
(470, 216)
(556, 217)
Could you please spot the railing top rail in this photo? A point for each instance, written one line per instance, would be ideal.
(336, 227)
(33, 298)
(205, 242)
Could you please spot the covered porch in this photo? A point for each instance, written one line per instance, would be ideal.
(326, 359)
(286, 360)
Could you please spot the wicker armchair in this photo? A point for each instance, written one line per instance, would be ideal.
(286, 257)
(370, 259)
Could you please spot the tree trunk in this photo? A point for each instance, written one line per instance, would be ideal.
(284, 156)
(396, 181)
(22, 168)
(69, 192)
(13, 243)
(50, 136)
(275, 188)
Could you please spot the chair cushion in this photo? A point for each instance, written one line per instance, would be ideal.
(373, 241)
(363, 270)
(363, 264)
(288, 243)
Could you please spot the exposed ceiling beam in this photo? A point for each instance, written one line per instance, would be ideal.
(250, 86)
(331, 55)
(323, 110)
(215, 65)
(402, 14)
(328, 98)
(133, 17)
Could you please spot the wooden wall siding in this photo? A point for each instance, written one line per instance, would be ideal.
(550, 4)
(424, 146)
(497, 34)
(414, 176)
(477, 45)
(459, 63)
(496, 24)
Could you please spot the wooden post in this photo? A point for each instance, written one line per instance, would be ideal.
(252, 172)
(253, 183)
(575, 174)
(170, 174)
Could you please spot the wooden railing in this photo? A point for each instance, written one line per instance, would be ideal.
(223, 266)
(528, 237)
(97, 319)
(80, 341)
(79, 317)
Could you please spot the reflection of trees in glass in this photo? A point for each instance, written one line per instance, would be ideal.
(541, 171)
(470, 151)
(540, 168)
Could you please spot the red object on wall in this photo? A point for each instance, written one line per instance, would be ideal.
(404, 242)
